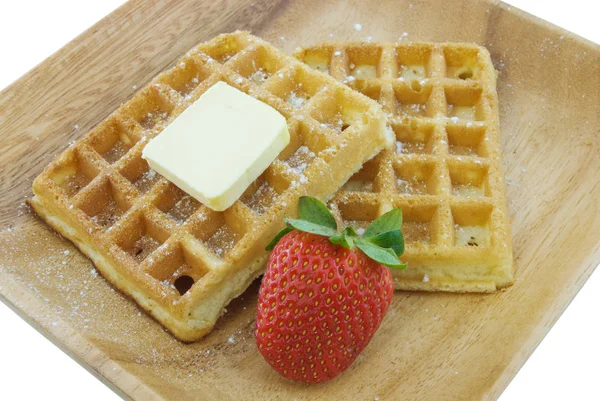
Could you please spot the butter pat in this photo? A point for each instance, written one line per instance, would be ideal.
(218, 145)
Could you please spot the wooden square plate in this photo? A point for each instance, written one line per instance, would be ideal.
(430, 346)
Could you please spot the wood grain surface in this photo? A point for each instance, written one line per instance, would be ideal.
(430, 346)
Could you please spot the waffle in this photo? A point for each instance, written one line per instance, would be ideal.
(179, 260)
(445, 172)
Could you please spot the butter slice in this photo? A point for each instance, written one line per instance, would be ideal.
(218, 145)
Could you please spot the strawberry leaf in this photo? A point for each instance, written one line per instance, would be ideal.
(345, 238)
(389, 221)
(385, 256)
(312, 228)
(315, 211)
(342, 240)
(391, 239)
(350, 231)
(276, 239)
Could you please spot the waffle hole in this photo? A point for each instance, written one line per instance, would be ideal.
(468, 179)
(305, 144)
(466, 140)
(176, 204)
(223, 240)
(357, 214)
(183, 284)
(143, 247)
(222, 49)
(146, 180)
(318, 60)
(112, 140)
(140, 235)
(104, 203)
(293, 86)
(414, 178)
(413, 61)
(186, 76)
(297, 98)
(364, 71)
(416, 231)
(218, 231)
(138, 172)
(118, 150)
(73, 172)
(461, 63)
(471, 226)
(177, 267)
(470, 235)
(464, 103)
(364, 61)
(299, 161)
(417, 223)
(183, 209)
(260, 196)
(336, 113)
(465, 73)
(413, 73)
(412, 98)
(152, 118)
(258, 64)
(413, 138)
(416, 86)
(364, 179)
(149, 108)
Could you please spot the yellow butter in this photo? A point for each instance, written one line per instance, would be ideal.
(219, 145)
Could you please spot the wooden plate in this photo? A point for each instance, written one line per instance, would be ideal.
(430, 346)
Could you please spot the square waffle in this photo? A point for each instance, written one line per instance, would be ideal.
(180, 260)
(445, 171)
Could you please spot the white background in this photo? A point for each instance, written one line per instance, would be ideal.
(565, 365)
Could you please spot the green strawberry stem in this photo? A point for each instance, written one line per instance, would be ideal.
(382, 241)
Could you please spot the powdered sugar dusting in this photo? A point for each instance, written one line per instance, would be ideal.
(300, 160)
(262, 198)
(146, 180)
(259, 76)
(295, 100)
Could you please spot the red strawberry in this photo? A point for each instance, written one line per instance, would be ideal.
(321, 303)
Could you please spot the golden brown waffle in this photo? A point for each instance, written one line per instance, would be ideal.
(445, 172)
(179, 260)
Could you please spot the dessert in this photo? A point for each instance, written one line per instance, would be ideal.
(178, 259)
(445, 171)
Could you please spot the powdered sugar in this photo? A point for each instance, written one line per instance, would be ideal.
(299, 161)
(259, 76)
(295, 100)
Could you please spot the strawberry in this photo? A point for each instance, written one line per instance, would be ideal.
(324, 293)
